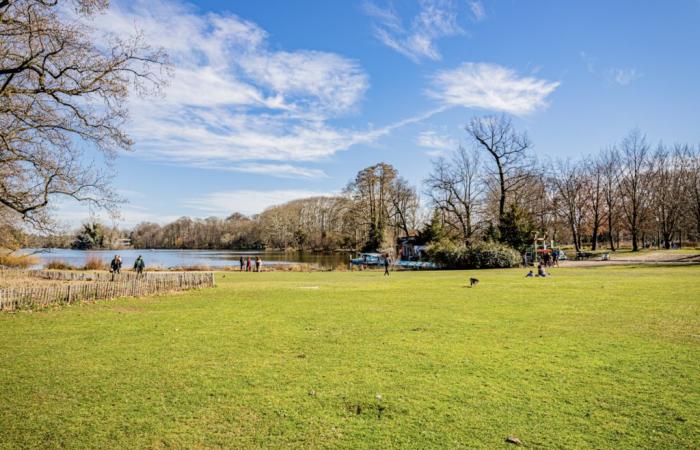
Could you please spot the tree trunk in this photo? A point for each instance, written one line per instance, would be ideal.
(594, 238)
(502, 199)
(667, 237)
(574, 235)
(611, 235)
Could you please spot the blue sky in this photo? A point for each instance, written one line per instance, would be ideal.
(274, 100)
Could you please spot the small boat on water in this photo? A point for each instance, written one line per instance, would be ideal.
(416, 265)
(368, 259)
(377, 259)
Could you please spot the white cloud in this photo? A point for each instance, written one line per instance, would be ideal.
(491, 87)
(621, 76)
(233, 98)
(477, 9)
(246, 201)
(436, 19)
(589, 61)
(269, 169)
(624, 77)
(435, 141)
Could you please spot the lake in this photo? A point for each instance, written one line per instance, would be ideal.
(177, 258)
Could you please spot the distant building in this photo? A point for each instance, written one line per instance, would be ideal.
(122, 242)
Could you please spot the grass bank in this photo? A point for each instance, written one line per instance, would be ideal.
(590, 358)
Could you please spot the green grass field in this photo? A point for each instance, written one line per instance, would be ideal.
(589, 358)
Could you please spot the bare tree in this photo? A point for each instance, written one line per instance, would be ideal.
(596, 193)
(59, 92)
(668, 189)
(404, 202)
(693, 164)
(509, 152)
(609, 162)
(570, 186)
(634, 183)
(455, 187)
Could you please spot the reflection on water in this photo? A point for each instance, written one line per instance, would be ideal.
(176, 258)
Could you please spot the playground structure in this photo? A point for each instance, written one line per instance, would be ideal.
(540, 247)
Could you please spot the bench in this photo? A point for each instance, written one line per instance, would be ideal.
(583, 255)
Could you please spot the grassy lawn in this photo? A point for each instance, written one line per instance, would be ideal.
(589, 358)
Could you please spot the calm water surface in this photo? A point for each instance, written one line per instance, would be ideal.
(175, 258)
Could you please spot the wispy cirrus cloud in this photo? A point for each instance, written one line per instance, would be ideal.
(436, 19)
(248, 202)
(431, 139)
(477, 10)
(491, 87)
(277, 170)
(589, 61)
(437, 143)
(234, 101)
(623, 76)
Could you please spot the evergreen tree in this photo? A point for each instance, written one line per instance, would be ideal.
(432, 231)
(516, 228)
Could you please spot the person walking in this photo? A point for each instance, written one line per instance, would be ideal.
(258, 261)
(247, 265)
(242, 263)
(114, 266)
(386, 266)
(139, 265)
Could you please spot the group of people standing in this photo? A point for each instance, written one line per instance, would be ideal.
(550, 259)
(250, 265)
(115, 266)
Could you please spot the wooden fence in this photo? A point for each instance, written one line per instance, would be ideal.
(69, 275)
(36, 295)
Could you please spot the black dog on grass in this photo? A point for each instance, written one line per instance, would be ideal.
(473, 282)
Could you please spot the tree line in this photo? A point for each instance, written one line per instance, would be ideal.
(493, 190)
(631, 191)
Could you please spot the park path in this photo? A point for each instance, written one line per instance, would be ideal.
(651, 258)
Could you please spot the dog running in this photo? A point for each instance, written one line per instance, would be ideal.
(473, 282)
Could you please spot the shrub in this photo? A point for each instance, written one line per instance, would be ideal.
(95, 263)
(18, 261)
(193, 268)
(57, 264)
(482, 255)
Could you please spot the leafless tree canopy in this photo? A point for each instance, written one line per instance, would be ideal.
(61, 94)
(456, 187)
(509, 153)
(570, 186)
(635, 183)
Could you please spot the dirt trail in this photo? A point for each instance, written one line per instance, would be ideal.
(654, 257)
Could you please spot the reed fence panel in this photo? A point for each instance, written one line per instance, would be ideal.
(100, 287)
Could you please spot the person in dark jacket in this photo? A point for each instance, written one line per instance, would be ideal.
(115, 266)
(386, 266)
(242, 263)
(139, 265)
